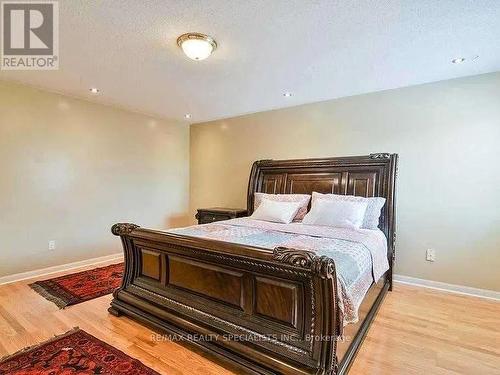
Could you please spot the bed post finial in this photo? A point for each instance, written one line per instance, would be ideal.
(121, 229)
(321, 265)
(324, 266)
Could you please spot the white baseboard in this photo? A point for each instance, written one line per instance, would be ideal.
(63, 267)
(453, 288)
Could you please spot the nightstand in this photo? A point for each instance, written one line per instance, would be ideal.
(209, 215)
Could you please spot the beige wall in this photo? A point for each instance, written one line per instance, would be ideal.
(447, 135)
(70, 169)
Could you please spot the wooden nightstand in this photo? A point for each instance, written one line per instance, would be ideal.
(209, 215)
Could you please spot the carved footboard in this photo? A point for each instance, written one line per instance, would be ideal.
(268, 311)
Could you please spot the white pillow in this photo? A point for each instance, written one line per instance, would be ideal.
(275, 211)
(373, 208)
(336, 213)
(302, 198)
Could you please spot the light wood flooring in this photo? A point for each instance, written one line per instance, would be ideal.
(417, 331)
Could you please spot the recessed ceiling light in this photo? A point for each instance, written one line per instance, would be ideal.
(287, 94)
(94, 90)
(187, 115)
(197, 46)
(458, 60)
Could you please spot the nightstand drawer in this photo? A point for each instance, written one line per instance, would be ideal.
(210, 215)
(210, 218)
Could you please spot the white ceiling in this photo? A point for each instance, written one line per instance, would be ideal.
(315, 49)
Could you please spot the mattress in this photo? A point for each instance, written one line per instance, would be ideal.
(360, 255)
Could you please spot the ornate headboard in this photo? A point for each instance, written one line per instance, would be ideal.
(367, 176)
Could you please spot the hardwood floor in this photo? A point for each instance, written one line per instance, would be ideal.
(417, 331)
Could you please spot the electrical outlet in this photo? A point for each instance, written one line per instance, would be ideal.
(430, 255)
(52, 245)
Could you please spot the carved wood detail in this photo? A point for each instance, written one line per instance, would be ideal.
(321, 265)
(121, 229)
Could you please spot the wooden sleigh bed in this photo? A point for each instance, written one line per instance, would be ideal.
(269, 312)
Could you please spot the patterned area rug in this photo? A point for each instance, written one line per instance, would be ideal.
(82, 286)
(75, 352)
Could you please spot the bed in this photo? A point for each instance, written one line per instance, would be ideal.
(270, 298)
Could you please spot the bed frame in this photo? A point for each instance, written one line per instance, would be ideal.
(268, 312)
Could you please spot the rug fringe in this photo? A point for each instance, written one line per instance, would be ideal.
(34, 346)
(47, 295)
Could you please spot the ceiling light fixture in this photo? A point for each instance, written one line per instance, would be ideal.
(94, 90)
(458, 60)
(197, 46)
(187, 115)
(287, 94)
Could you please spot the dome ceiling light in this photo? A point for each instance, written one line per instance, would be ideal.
(197, 46)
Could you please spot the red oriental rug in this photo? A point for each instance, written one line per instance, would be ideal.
(82, 286)
(75, 352)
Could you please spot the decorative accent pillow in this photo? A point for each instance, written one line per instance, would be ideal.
(275, 211)
(373, 208)
(336, 213)
(303, 199)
